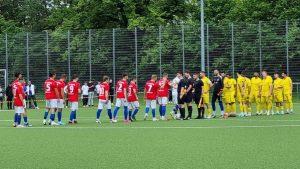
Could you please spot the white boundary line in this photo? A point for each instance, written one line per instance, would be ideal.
(171, 127)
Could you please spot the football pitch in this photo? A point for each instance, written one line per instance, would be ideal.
(252, 142)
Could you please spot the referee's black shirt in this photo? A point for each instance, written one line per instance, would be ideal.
(218, 84)
(198, 87)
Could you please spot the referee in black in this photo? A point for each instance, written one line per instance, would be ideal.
(197, 88)
(218, 85)
(185, 95)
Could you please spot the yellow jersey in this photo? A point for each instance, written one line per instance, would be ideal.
(206, 85)
(265, 86)
(255, 84)
(287, 83)
(248, 85)
(278, 86)
(229, 85)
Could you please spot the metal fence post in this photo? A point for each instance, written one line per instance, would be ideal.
(207, 49)
(260, 49)
(27, 55)
(6, 60)
(90, 54)
(114, 58)
(287, 45)
(47, 52)
(160, 46)
(183, 48)
(69, 56)
(136, 55)
(232, 49)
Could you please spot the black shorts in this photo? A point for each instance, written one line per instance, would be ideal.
(185, 99)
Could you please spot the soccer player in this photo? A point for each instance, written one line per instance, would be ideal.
(175, 83)
(133, 101)
(278, 93)
(287, 92)
(205, 93)
(217, 92)
(51, 96)
(19, 103)
(104, 99)
(266, 93)
(61, 99)
(247, 96)
(73, 90)
(241, 93)
(255, 91)
(121, 92)
(162, 94)
(229, 92)
(185, 93)
(197, 92)
(150, 95)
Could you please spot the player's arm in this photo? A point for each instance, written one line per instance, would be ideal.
(270, 89)
(106, 95)
(291, 85)
(182, 92)
(135, 93)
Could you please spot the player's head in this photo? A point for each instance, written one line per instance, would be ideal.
(179, 74)
(52, 75)
(228, 75)
(75, 78)
(216, 72)
(105, 79)
(154, 77)
(18, 75)
(284, 74)
(256, 74)
(223, 74)
(187, 73)
(63, 77)
(276, 75)
(85, 82)
(125, 76)
(133, 80)
(196, 75)
(29, 83)
(165, 75)
(202, 74)
(264, 73)
(239, 73)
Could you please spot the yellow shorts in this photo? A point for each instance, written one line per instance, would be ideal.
(278, 97)
(266, 99)
(254, 98)
(205, 98)
(228, 98)
(287, 98)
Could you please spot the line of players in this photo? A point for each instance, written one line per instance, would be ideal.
(185, 90)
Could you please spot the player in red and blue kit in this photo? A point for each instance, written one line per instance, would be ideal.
(104, 99)
(133, 103)
(60, 101)
(121, 92)
(73, 90)
(150, 94)
(19, 104)
(162, 94)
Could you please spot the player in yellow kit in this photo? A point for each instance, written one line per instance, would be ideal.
(229, 91)
(287, 92)
(266, 93)
(247, 96)
(255, 91)
(241, 94)
(205, 93)
(278, 93)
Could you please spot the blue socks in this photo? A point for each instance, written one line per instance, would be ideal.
(116, 111)
(72, 115)
(98, 113)
(147, 110)
(125, 112)
(16, 118)
(59, 116)
(221, 105)
(160, 110)
(163, 110)
(75, 117)
(46, 115)
(135, 112)
(130, 113)
(109, 114)
(25, 119)
(153, 113)
(19, 119)
(52, 117)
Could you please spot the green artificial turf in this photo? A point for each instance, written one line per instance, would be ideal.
(252, 142)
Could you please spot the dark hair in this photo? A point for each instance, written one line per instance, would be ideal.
(165, 74)
(51, 74)
(240, 72)
(276, 72)
(284, 72)
(202, 71)
(105, 78)
(179, 72)
(17, 74)
(63, 76)
(187, 71)
(75, 76)
(124, 75)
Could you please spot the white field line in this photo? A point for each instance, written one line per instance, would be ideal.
(170, 127)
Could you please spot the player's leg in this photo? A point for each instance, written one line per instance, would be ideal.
(108, 106)
(176, 106)
(60, 106)
(71, 119)
(147, 108)
(221, 105)
(130, 110)
(99, 110)
(206, 105)
(213, 103)
(19, 110)
(269, 105)
(136, 110)
(117, 107)
(53, 106)
(153, 108)
(125, 104)
(164, 102)
(47, 110)
(159, 100)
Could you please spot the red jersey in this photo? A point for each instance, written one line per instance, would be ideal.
(49, 86)
(151, 90)
(73, 93)
(60, 87)
(164, 87)
(18, 90)
(121, 87)
(132, 91)
(104, 87)
(15, 86)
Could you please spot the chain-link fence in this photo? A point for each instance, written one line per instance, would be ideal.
(142, 52)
